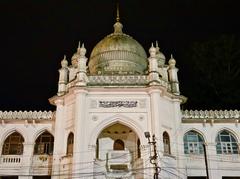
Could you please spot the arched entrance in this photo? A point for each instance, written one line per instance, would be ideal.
(118, 145)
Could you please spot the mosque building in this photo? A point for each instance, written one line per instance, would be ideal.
(118, 116)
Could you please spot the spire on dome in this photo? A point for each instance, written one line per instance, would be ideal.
(118, 26)
(118, 16)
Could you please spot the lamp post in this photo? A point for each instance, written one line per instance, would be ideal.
(153, 159)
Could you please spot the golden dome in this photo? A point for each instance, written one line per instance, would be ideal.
(118, 53)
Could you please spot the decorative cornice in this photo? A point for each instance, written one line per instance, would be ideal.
(216, 114)
(26, 115)
(123, 80)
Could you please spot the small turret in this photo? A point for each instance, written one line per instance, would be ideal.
(76, 56)
(153, 76)
(63, 77)
(173, 77)
(160, 56)
(82, 67)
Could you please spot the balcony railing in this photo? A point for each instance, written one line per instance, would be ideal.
(13, 160)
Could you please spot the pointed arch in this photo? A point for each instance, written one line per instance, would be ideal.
(41, 131)
(13, 144)
(235, 133)
(193, 142)
(226, 142)
(12, 130)
(198, 131)
(121, 119)
(70, 141)
(44, 144)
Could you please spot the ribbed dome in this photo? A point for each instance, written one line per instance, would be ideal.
(118, 53)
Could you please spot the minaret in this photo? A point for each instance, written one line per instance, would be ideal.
(173, 77)
(63, 77)
(82, 67)
(153, 75)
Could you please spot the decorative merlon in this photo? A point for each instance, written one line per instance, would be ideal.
(26, 115)
(216, 114)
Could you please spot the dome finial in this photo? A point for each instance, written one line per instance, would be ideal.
(118, 16)
(64, 62)
(172, 61)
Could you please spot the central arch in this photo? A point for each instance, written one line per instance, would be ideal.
(121, 119)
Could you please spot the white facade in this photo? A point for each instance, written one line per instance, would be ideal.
(103, 108)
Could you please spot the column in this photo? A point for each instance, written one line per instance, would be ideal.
(82, 157)
(27, 160)
(59, 149)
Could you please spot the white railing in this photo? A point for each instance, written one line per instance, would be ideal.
(12, 160)
(211, 114)
(19, 115)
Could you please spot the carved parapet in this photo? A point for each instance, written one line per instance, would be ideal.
(123, 80)
(118, 80)
(26, 115)
(210, 114)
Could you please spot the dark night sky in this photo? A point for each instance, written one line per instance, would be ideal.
(36, 34)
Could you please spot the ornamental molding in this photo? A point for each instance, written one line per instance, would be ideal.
(216, 114)
(94, 104)
(25, 115)
(118, 80)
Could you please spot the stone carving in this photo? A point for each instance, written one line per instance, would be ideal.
(190, 114)
(40, 115)
(118, 104)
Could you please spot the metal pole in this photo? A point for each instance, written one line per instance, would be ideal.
(154, 157)
(206, 161)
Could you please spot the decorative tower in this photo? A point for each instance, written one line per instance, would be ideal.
(63, 77)
(153, 67)
(82, 67)
(173, 77)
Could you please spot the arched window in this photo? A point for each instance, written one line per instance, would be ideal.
(166, 143)
(70, 144)
(13, 145)
(226, 143)
(118, 145)
(44, 144)
(193, 143)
